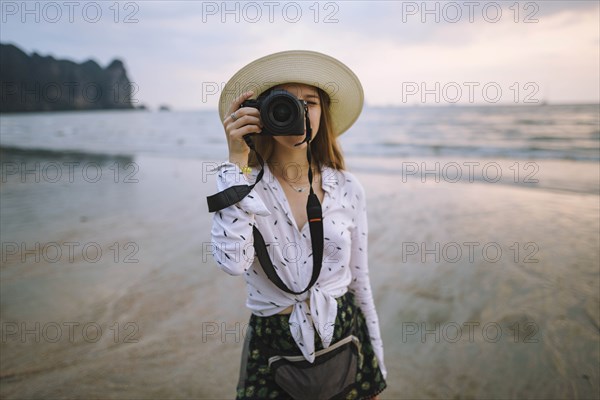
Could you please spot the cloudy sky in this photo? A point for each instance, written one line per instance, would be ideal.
(405, 53)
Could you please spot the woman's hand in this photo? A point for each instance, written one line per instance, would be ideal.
(240, 122)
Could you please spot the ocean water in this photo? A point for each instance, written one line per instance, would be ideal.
(147, 279)
(564, 132)
(408, 140)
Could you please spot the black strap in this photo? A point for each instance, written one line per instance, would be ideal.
(314, 212)
(234, 194)
(316, 237)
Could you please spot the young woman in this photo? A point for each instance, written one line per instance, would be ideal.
(280, 321)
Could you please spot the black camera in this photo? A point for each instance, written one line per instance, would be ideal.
(281, 112)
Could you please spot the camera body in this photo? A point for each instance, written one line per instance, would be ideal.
(281, 113)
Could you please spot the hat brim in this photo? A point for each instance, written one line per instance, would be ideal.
(300, 66)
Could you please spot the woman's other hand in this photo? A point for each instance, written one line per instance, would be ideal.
(240, 122)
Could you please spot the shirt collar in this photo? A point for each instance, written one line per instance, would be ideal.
(330, 178)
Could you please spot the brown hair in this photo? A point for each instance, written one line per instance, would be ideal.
(325, 149)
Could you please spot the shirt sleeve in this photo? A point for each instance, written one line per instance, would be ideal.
(232, 239)
(361, 285)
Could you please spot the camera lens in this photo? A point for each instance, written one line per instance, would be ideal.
(281, 112)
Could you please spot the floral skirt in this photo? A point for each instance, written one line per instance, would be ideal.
(256, 380)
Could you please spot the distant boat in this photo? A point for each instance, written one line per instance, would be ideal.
(164, 108)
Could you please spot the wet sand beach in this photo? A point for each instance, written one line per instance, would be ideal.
(483, 290)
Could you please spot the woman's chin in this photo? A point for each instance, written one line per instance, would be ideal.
(291, 141)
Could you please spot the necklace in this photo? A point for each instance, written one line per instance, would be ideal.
(300, 189)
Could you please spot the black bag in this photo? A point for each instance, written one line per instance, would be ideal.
(332, 373)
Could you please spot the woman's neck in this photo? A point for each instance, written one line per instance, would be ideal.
(292, 166)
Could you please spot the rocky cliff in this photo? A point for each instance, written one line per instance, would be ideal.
(37, 83)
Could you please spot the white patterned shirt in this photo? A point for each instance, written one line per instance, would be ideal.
(345, 262)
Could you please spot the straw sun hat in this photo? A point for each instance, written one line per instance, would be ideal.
(300, 66)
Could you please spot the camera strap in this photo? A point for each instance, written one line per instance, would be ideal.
(234, 194)
(314, 212)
